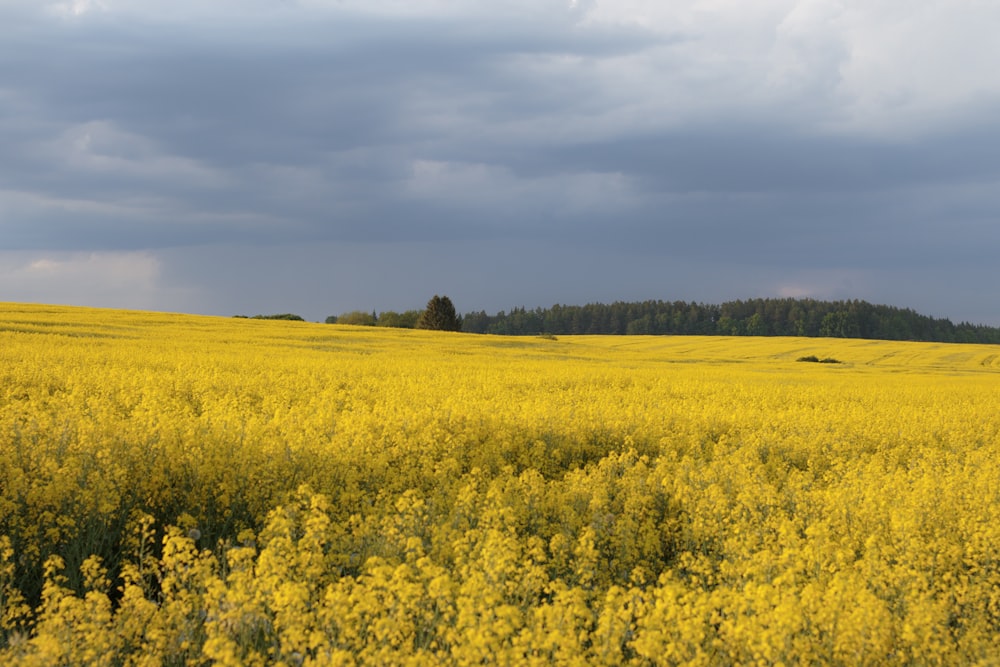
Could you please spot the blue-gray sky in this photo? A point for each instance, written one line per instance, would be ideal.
(320, 156)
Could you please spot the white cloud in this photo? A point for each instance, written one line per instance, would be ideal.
(912, 66)
(890, 67)
(453, 8)
(106, 279)
(808, 51)
(77, 7)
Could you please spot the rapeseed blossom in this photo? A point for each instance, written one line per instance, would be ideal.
(192, 490)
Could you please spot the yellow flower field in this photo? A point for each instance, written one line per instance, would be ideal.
(180, 490)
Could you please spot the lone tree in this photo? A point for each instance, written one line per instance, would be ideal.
(440, 315)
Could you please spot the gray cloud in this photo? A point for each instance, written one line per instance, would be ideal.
(785, 148)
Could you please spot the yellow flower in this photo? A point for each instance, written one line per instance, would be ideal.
(185, 490)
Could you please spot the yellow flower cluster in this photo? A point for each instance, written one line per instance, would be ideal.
(179, 490)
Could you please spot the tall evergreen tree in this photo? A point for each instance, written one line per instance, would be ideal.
(440, 315)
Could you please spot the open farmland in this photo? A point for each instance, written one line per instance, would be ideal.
(188, 490)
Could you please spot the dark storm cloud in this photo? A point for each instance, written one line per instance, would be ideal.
(779, 148)
(340, 82)
(334, 106)
(735, 157)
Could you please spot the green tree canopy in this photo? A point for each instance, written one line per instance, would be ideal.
(404, 320)
(440, 315)
(758, 317)
(357, 317)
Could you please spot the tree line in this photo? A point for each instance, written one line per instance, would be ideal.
(439, 314)
(754, 317)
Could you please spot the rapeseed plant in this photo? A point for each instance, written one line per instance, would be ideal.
(186, 490)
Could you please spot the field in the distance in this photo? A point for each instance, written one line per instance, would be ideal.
(195, 490)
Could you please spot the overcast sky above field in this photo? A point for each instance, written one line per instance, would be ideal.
(319, 156)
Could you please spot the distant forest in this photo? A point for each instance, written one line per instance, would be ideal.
(755, 317)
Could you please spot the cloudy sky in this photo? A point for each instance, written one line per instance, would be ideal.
(319, 156)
